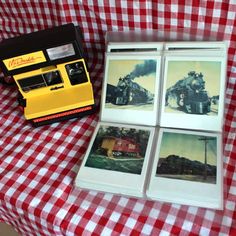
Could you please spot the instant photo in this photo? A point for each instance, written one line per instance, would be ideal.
(193, 92)
(187, 168)
(117, 159)
(131, 89)
(192, 158)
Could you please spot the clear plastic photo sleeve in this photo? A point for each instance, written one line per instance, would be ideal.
(193, 91)
(117, 159)
(131, 88)
(187, 169)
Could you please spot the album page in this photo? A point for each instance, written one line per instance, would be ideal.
(187, 168)
(117, 159)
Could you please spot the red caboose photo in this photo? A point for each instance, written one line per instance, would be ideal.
(120, 147)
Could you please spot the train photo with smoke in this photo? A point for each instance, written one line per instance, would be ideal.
(129, 92)
(189, 95)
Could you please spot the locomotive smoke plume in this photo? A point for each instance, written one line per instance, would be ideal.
(148, 67)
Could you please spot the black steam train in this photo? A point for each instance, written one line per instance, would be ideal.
(128, 92)
(189, 95)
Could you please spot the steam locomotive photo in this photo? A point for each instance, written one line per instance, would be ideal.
(128, 92)
(189, 95)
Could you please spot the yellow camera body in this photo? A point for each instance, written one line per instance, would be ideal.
(50, 71)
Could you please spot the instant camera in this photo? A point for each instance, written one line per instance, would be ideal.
(50, 71)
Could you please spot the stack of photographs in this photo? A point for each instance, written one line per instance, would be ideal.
(160, 130)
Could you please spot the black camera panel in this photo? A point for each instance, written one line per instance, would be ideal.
(32, 82)
(76, 73)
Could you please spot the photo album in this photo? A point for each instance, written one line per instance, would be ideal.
(159, 135)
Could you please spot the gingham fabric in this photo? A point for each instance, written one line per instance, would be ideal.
(38, 165)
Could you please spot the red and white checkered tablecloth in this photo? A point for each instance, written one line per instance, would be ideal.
(38, 165)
